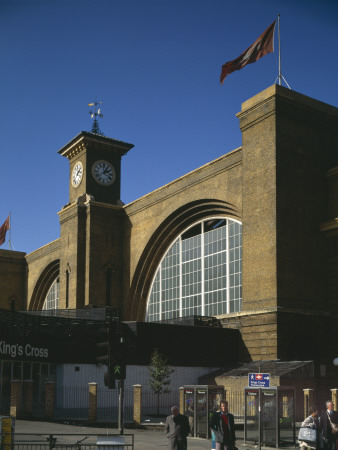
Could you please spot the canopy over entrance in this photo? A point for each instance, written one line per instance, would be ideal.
(276, 368)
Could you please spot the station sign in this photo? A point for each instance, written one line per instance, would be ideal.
(22, 351)
(44, 350)
(259, 380)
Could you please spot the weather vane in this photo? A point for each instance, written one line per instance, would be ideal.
(95, 114)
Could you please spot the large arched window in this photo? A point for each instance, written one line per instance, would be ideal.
(52, 297)
(200, 274)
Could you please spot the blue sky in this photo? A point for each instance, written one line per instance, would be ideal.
(155, 65)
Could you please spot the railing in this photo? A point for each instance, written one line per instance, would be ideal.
(236, 404)
(72, 403)
(33, 441)
(107, 405)
(155, 408)
(85, 313)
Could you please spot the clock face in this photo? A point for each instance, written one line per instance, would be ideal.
(77, 174)
(103, 172)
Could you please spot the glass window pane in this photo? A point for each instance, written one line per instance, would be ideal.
(52, 298)
(179, 289)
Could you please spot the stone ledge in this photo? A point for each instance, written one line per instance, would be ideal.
(225, 162)
(42, 251)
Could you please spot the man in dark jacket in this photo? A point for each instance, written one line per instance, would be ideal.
(223, 426)
(327, 416)
(177, 429)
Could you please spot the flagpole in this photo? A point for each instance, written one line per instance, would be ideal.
(10, 226)
(279, 53)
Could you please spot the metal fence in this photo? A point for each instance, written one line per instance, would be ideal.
(236, 404)
(72, 403)
(155, 408)
(107, 405)
(32, 441)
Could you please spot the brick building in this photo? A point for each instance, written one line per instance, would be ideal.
(250, 238)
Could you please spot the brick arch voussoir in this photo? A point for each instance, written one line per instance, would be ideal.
(160, 241)
(43, 284)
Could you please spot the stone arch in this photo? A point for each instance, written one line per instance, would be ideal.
(159, 242)
(43, 284)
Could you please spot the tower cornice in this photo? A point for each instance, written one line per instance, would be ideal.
(85, 139)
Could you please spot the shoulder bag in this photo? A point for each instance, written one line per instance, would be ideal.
(307, 434)
(334, 427)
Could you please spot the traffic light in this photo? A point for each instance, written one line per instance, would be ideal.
(102, 346)
(111, 352)
(103, 353)
(109, 379)
(118, 360)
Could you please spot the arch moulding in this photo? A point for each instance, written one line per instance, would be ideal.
(42, 286)
(159, 242)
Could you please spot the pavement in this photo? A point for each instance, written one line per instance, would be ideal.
(144, 438)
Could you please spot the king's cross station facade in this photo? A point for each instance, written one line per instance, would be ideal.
(232, 264)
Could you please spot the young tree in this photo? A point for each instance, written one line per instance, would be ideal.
(159, 373)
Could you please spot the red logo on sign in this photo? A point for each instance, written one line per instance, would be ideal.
(259, 377)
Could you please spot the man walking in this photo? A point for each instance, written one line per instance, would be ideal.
(177, 429)
(223, 426)
(327, 418)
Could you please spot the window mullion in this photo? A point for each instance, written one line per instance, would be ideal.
(227, 253)
(180, 275)
(160, 308)
(193, 242)
(202, 269)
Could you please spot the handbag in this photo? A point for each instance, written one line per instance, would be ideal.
(307, 434)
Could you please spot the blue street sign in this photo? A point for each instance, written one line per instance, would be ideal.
(259, 380)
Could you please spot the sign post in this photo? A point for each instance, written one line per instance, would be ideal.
(259, 380)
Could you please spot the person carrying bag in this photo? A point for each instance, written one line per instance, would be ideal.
(309, 435)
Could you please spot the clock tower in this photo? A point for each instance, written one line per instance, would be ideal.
(93, 223)
(95, 167)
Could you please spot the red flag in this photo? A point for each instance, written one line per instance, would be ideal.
(3, 230)
(261, 47)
